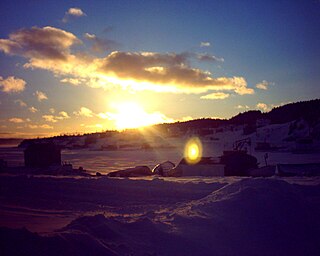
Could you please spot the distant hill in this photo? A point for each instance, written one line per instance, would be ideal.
(306, 110)
(193, 124)
(8, 142)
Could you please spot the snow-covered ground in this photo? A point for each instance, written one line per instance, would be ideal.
(43, 215)
(107, 161)
(159, 216)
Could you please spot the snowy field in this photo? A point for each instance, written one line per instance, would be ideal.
(107, 161)
(157, 216)
(43, 215)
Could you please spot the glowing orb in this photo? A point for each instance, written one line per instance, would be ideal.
(193, 151)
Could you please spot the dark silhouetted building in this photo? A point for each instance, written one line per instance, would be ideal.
(42, 155)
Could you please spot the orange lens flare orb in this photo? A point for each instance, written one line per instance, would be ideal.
(193, 150)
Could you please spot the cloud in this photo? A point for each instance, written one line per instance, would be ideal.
(216, 96)
(52, 110)
(40, 95)
(39, 43)
(158, 72)
(33, 109)
(100, 44)
(73, 81)
(73, 12)
(263, 106)
(53, 119)
(12, 84)
(16, 120)
(64, 115)
(84, 112)
(242, 107)
(167, 72)
(205, 44)
(45, 126)
(209, 58)
(49, 118)
(20, 102)
(264, 85)
(33, 126)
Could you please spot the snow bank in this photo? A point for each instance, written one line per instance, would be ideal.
(243, 217)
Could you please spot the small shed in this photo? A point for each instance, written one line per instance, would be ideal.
(42, 155)
(238, 162)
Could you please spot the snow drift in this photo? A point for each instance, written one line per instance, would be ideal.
(239, 217)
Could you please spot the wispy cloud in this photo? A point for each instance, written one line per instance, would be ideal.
(45, 126)
(12, 84)
(20, 102)
(242, 107)
(73, 12)
(72, 81)
(33, 109)
(100, 44)
(63, 115)
(16, 120)
(42, 126)
(40, 96)
(84, 112)
(216, 96)
(205, 44)
(49, 118)
(209, 58)
(54, 118)
(264, 85)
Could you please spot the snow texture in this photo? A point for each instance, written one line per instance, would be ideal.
(104, 216)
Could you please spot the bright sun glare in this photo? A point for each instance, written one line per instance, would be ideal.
(131, 115)
(193, 151)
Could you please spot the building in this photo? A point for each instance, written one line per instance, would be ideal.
(238, 162)
(231, 163)
(207, 166)
(42, 155)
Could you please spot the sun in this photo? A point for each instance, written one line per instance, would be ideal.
(130, 115)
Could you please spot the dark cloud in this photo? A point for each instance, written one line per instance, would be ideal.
(100, 44)
(168, 69)
(50, 49)
(40, 43)
(209, 58)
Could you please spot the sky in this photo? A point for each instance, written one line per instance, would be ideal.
(85, 66)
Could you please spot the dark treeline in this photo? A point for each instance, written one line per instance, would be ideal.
(307, 110)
